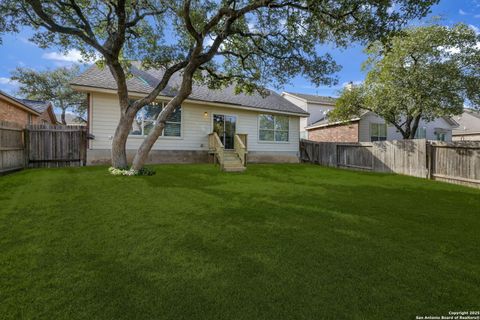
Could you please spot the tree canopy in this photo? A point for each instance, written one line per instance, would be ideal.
(52, 85)
(251, 43)
(421, 73)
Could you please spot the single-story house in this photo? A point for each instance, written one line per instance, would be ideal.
(468, 126)
(365, 128)
(270, 123)
(24, 111)
(316, 106)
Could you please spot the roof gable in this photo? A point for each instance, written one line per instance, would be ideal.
(18, 103)
(310, 98)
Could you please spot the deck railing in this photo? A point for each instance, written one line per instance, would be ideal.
(241, 148)
(216, 147)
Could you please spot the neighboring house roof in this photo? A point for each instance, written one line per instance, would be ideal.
(72, 119)
(19, 103)
(310, 98)
(326, 122)
(144, 81)
(468, 122)
(37, 105)
(41, 107)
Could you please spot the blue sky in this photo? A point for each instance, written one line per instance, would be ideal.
(16, 50)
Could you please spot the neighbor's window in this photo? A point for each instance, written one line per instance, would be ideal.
(145, 120)
(421, 133)
(441, 135)
(273, 128)
(378, 131)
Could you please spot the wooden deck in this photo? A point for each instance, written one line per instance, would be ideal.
(229, 160)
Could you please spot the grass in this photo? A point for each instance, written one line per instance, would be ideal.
(278, 242)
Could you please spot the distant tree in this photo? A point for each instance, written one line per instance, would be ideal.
(52, 85)
(422, 73)
(249, 43)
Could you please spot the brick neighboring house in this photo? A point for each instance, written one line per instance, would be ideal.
(24, 111)
(371, 127)
(334, 132)
(365, 128)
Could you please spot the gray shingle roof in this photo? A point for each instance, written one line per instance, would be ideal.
(37, 105)
(468, 121)
(143, 81)
(314, 98)
(21, 101)
(325, 121)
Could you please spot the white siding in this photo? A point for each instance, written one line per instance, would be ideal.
(195, 127)
(393, 134)
(317, 111)
(364, 126)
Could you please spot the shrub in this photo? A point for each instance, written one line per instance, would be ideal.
(131, 172)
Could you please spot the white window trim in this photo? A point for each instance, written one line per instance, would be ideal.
(162, 136)
(272, 141)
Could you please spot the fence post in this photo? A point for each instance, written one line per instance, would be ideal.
(26, 146)
(336, 155)
(429, 159)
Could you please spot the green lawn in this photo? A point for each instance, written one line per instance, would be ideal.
(277, 242)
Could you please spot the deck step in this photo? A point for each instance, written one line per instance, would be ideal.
(232, 162)
(234, 169)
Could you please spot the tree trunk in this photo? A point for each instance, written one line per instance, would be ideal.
(147, 144)
(119, 153)
(62, 106)
(414, 129)
(64, 122)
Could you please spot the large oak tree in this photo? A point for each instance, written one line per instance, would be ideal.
(420, 74)
(251, 43)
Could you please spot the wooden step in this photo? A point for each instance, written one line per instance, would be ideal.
(234, 169)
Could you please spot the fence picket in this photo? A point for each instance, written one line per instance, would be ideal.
(455, 162)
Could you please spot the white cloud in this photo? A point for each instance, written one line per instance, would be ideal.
(8, 81)
(71, 56)
(461, 12)
(65, 59)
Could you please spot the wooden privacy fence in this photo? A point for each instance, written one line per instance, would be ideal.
(56, 145)
(12, 149)
(457, 162)
(41, 145)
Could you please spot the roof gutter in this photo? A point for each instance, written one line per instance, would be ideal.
(84, 88)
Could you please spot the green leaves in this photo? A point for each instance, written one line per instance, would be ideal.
(425, 72)
(51, 85)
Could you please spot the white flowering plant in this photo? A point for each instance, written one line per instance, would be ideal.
(131, 172)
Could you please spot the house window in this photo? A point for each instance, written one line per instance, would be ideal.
(421, 133)
(378, 131)
(273, 128)
(440, 134)
(146, 119)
